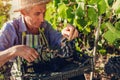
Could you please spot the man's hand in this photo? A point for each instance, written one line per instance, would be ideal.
(70, 32)
(25, 52)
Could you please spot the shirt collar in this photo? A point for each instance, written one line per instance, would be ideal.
(22, 25)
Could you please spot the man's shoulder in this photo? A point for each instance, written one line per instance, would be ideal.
(9, 25)
(13, 21)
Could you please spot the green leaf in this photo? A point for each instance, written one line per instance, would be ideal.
(62, 10)
(87, 27)
(54, 24)
(79, 12)
(78, 1)
(70, 15)
(92, 14)
(110, 27)
(110, 2)
(56, 2)
(117, 25)
(110, 37)
(65, 1)
(103, 26)
(117, 43)
(4, 12)
(112, 34)
(102, 7)
(50, 12)
(93, 1)
(81, 21)
(102, 51)
(118, 11)
(76, 23)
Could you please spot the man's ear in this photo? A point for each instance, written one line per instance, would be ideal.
(23, 12)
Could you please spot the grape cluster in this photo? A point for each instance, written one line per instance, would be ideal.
(67, 48)
(113, 66)
(50, 59)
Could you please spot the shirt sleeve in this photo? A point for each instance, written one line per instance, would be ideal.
(54, 37)
(7, 36)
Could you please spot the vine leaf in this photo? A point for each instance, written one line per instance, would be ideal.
(112, 34)
(62, 10)
(101, 7)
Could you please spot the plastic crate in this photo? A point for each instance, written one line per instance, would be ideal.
(68, 71)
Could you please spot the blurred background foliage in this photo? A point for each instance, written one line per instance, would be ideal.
(4, 11)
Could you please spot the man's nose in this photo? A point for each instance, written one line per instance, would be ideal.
(41, 17)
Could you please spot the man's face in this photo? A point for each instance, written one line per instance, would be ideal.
(35, 16)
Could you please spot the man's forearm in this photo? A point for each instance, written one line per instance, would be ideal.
(5, 56)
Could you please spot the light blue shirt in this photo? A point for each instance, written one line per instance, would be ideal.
(11, 34)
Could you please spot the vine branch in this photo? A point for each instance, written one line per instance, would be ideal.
(95, 45)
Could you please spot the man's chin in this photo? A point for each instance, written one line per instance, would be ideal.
(36, 27)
